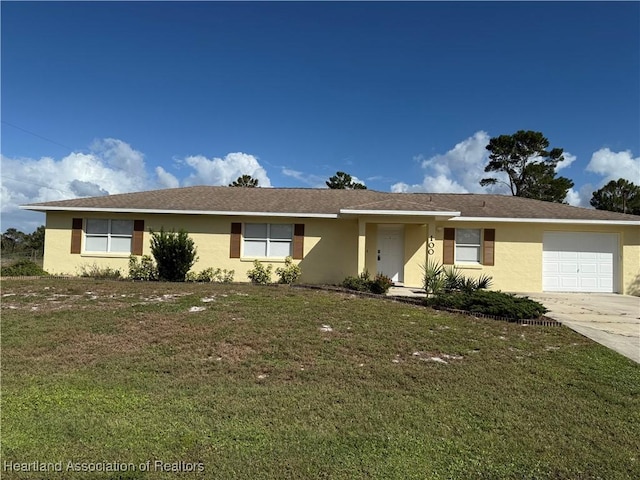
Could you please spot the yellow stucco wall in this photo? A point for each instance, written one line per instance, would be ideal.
(331, 246)
(518, 253)
(415, 253)
(631, 256)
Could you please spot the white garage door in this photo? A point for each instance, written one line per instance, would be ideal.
(579, 262)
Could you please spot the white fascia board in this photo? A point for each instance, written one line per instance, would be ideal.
(40, 208)
(546, 220)
(414, 213)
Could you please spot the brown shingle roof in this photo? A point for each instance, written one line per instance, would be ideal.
(325, 201)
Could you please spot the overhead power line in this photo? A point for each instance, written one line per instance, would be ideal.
(36, 135)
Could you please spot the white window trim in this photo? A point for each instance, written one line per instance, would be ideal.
(108, 236)
(479, 246)
(268, 240)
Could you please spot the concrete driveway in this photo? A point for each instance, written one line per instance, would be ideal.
(609, 319)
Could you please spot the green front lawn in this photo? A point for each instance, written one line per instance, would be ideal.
(255, 386)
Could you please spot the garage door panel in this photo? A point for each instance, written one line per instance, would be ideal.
(579, 262)
(569, 268)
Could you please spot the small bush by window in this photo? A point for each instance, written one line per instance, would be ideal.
(211, 275)
(290, 273)
(143, 269)
(175, 254)
(260, 274)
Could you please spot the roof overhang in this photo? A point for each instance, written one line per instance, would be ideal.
(547, 220)
(43, 208)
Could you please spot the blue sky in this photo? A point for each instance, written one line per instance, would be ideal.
(110, 97)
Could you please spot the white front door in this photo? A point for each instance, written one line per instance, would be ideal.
(390, 252)
(579, 262)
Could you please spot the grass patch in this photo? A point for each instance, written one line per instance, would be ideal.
(274, 382)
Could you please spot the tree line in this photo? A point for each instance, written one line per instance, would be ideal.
(16, 242)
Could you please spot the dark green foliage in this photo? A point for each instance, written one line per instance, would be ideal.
(245, 181)
(344, 181)
(381, 284)
(360, 283)
(485, 302)
(438, 278)
(174, 252)
(15, 241)
(618, 196)
(529, 165)
(23, 268)
(364, 283)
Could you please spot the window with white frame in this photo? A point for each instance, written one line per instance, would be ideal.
(106, 235)
(265, 240)
(468, 245)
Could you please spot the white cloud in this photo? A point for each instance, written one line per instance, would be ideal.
(438, 184)
(573, 198)
(223, 171)
(457, 171)
(111, 166)
(120, 156)
(165, 179)
(313, 181)
(114, 167)
(86, 189)
(568, 160)
(615, 165)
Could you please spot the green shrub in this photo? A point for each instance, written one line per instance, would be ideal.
(223, 275)
(143, 269)
(432, 277)
(95, 271)
(175, 254)
(210, 275)
(290, 273)
(364, 283)
(360, 283)
(23, 268)
(438, 278)
(381, 284)
(260, 274)
(485, 302)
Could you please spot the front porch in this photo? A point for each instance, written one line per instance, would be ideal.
(396, 249)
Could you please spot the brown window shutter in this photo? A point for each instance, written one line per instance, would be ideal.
(298, 241)
(236, 234)
(449, 247)
(76, 235)
(138, 236)
(488, 246)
